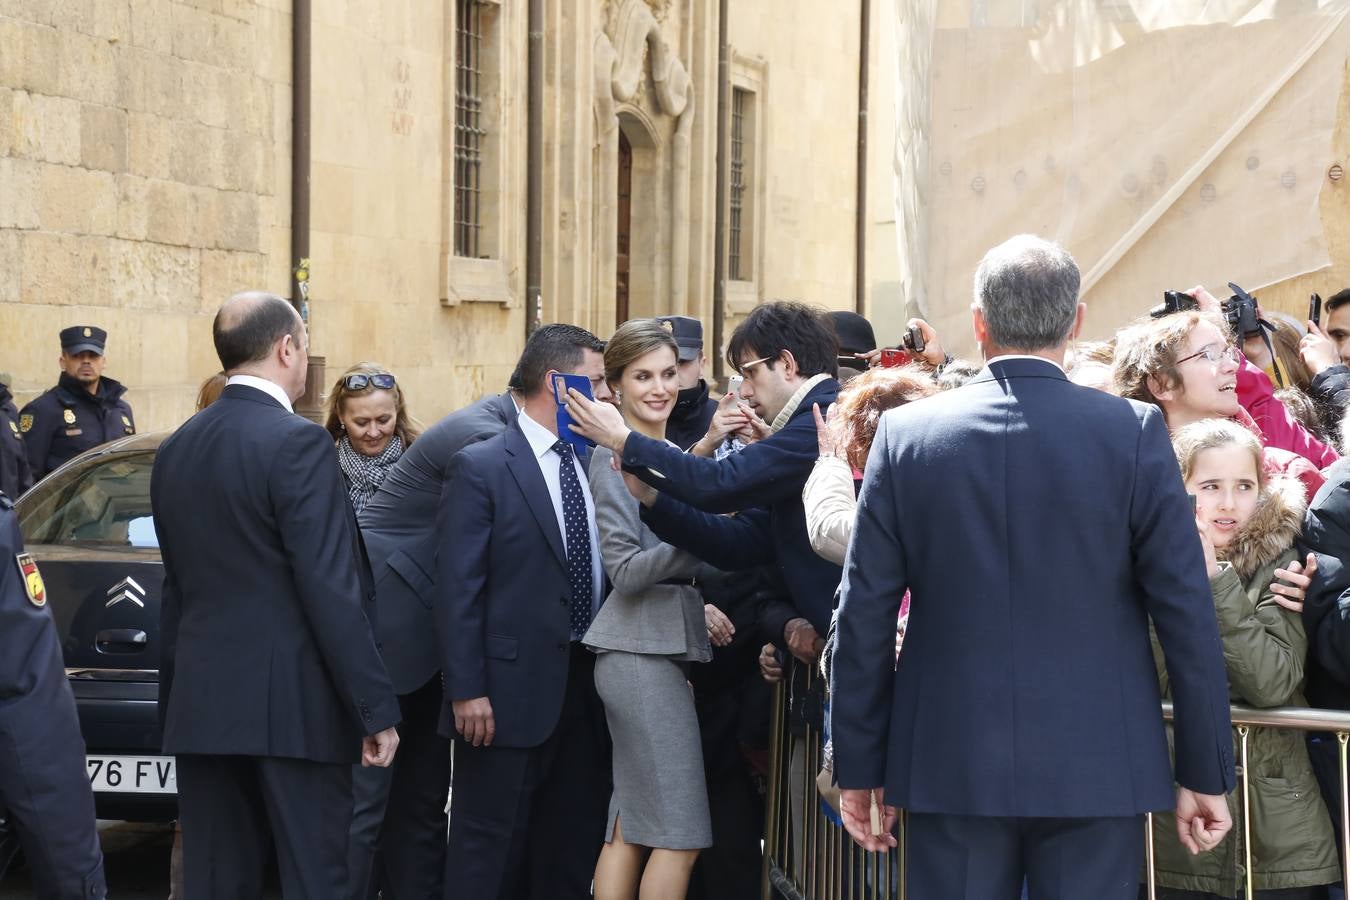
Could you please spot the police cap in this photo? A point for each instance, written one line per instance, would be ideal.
(688, 334)
(79, 338)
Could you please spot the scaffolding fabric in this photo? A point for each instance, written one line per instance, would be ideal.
(1166, 143)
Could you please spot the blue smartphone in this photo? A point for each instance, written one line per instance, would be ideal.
(561, 384)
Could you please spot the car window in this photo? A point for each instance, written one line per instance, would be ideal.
(104, 502)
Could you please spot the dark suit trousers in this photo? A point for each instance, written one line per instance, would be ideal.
(398, 828)
(232, 807)
(528, 823)
(988, 858)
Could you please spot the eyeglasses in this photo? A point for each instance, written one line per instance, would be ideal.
(743, 368)
(1216, 354)
(383, 380)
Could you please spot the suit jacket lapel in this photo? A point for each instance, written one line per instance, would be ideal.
(524, 468)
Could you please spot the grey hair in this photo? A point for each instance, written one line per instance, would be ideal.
(1028, 289)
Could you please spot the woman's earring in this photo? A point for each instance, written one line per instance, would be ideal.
(618, 396)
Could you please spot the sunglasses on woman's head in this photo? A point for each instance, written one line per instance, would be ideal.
(384, 381)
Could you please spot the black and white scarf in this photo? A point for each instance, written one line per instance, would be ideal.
(365, 474)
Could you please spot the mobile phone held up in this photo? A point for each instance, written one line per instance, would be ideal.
(734, 385)
(1315, 309)
(561, 384)
(892, 359)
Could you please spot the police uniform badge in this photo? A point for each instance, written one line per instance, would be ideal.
(13, 426)
(69, 416)
(32, 580)
(126, 421)
(26, 422)
(88, 332)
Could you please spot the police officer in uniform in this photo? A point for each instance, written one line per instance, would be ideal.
(694, 409)
(83, 411)
(43, 785)
(15, 474)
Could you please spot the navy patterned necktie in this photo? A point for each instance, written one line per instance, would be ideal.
(578, 539)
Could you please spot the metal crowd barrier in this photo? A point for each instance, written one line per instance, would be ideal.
(809, 856)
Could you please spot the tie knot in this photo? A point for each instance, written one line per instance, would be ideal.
(562, 448)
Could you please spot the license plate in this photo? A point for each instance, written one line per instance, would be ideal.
(132, 774)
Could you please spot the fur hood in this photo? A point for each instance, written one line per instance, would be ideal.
(1272, 529)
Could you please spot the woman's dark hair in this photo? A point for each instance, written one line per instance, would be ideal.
(633, 340)
(247, 326)
(802, 330)
(557, 346)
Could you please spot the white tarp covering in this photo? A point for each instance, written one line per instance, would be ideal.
(1164, 143)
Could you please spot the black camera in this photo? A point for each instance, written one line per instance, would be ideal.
(1240, 311)
(1174, 302)
(913, 341)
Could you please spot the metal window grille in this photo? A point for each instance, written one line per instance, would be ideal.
(739, 104)
(469, 130)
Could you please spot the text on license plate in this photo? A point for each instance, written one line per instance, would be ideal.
(132, 774)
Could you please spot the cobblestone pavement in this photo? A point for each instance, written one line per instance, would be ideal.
(136, 860)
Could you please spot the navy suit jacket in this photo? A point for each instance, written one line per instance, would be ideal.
(399, 525)
(502, 590)
(764, 482)
(266, 647)
(1038, 526)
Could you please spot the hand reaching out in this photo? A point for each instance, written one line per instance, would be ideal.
(1296, 578)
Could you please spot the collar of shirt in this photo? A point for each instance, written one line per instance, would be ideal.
(1009, 356)
(270, 388)
(540, 438)
(795, 401)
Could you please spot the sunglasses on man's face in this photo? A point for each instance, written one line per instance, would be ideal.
(384, 381)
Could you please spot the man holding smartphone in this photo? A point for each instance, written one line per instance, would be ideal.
(518, 579)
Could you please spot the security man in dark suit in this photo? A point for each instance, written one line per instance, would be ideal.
(43, 783)
(84, 410)
(1038, 526)
(271, 686)
(694, 408)
(16, 476)
(518, 581)
(399, 527)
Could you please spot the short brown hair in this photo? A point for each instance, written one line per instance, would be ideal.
(1150, 348)
(405, 426)
(865, 398)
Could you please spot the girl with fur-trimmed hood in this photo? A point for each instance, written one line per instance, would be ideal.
(1248, 527)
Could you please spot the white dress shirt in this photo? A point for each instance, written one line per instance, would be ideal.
(270, 388)
(541, 442)
(1008, 356)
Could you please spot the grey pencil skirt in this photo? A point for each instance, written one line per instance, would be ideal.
(659, 790)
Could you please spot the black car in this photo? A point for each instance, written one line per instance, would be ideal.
(88, 525)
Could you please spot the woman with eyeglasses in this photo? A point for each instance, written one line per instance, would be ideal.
(1187, 364)
(370, 422)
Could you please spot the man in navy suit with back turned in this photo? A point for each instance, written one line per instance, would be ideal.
(1038, 526)
(271, 686)
(518, 580)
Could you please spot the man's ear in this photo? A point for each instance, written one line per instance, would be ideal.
(789, 364)
(980, 325)
(1079, 318)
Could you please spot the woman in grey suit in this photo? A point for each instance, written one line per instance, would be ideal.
(651, 625)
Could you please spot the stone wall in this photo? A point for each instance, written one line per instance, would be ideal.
(138, 181)
(145, 175)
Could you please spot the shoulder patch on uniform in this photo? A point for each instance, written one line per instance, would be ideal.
(26, 422)
(32, 579)
(69, 416)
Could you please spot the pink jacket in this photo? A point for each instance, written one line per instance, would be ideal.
(1274, 425)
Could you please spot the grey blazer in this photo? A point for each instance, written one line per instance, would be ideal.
(641, 615)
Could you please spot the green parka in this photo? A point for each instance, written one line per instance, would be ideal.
(1264, 647)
